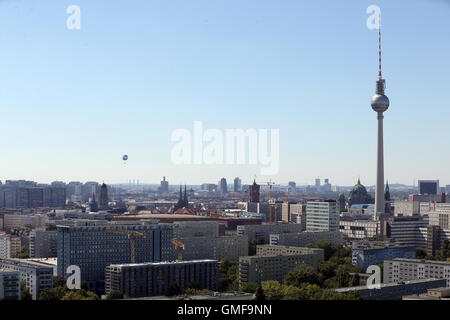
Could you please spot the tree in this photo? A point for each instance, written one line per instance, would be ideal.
(342, 277)
(300, 275)
(115, 295)
(24, 252)
(24, 291)
(54, 294)
(80, 295)
(354, 281)
(293, 293)
(193, 285)
(51, 227)
(259, 294)
(272, 290)
(59, 281)
(249, 287)
(172, 290)
(420, 253)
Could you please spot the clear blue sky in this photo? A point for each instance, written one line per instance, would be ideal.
(73, 101)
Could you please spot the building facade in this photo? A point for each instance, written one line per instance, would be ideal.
(37, 276)
(401, 269)
(275, 262)
(94, 245)
(322, 216)
(153, 279)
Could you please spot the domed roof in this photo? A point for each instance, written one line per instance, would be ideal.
(359, 195)
(358, 189)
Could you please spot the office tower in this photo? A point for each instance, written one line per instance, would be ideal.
(9, 246)
(237, 185)
(254, 192)
(223, 185)
(322, 215)
(380, 103)
(43, 243)
(428, 187)
(292, 186)
(317, 184)
(164, 187)
(103, 197)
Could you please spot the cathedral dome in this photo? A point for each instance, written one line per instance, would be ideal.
(359, 195)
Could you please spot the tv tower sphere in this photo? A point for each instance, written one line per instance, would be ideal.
(380, 103)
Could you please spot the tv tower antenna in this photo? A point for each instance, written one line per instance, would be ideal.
(379, 46)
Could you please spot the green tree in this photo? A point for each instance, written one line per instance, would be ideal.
(115, 295)
(300, 275)
(293, 293)
(24, 252)
(51, 227)
(249, 287)
(54, 294)
(272, 290)
(59, 281)
(80, 295)
(24, 291)
(420, 253)
(172, 290)
(259, 294)
(193, 285)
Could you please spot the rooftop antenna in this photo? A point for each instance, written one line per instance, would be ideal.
(379, 46)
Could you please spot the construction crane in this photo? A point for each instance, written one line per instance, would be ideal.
(180, 248)
(271, 201)
(132, 236)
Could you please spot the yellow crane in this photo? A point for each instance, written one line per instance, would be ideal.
(132, 236)
(180, 248)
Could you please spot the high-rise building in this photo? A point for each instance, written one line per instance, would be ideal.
(428, 187)
(223, 186)
(292, 186)
(317, 184)
(254, 192)
(380, 103)
(322, 215)
(164, 187)
(9, 246)
(43, 243)
(103, 197)
(237, 185)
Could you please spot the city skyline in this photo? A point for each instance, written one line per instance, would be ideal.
(97, 99)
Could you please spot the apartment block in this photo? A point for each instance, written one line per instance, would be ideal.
(153, 279)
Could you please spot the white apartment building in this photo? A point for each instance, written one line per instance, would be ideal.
(9, 246)
(322, 215)
(399, 270)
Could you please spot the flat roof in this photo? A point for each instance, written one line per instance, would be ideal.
(386, 285)
(160, 263)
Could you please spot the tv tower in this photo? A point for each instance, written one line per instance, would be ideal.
(380, 103)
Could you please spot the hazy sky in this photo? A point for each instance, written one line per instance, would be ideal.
(72, 102)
